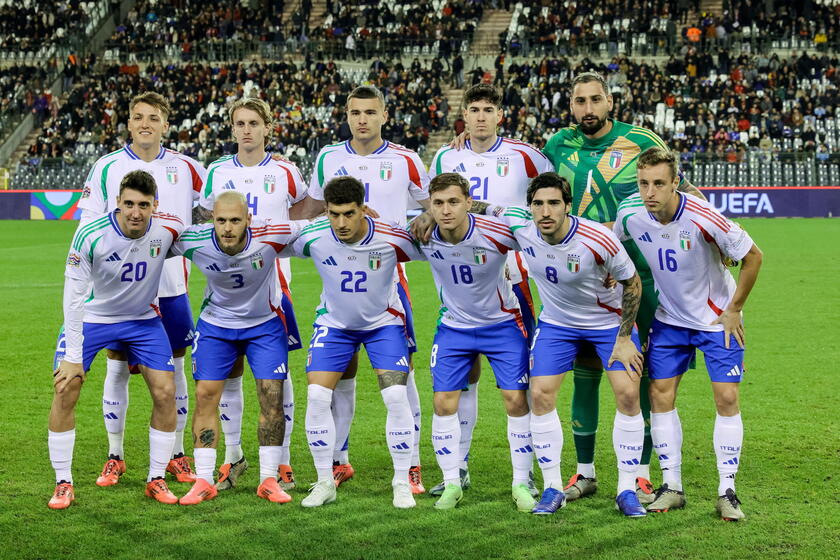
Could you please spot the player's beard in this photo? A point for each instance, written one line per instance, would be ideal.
(594, 127)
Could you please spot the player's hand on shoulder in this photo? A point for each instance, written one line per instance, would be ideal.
(371, 212)
(460, 141)
(66, 372)
(625, 351)
(609, 282)
(733, 325)
(422, 226)
(277, 157)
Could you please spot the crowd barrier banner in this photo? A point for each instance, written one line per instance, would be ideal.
(40, 205)
(775, 202)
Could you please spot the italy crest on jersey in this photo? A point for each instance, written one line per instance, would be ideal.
(386, 170)
(480, 255)
(374, 260)
(502, 166)
(615, 159)
(257, 261)
(573, 262)
(685, 240)
(172, 175)
(269, 181)
(154, 248)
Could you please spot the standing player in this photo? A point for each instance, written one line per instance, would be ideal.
(120, 255)
(271, 186)
(179, 179)
(684, 240)
(570, 259)
(390, 174)
(498, 169)
(356, 257)
(598, 157)
(479, 314)
(242, 315)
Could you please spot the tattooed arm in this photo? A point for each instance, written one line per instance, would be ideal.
(625, 350)
(200, 215)
(686, 187)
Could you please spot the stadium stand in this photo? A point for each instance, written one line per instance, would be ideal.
(737, 114)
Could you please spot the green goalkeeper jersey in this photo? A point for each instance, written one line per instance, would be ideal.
(602, 171)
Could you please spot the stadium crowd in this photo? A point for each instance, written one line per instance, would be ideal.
(308, 101)
(28, 25)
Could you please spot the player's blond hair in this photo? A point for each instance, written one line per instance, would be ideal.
(256, 105)
(655, 156)
(154, 99)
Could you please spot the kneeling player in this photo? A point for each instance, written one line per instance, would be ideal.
(685, 241)
(570, 258)
(119, 255)
(356, 257)
(242, 316)
(479, 315)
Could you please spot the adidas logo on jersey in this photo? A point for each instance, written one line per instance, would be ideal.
(646, 237)
(113, 258)
(341, 171)
(530, 251)
(214, 267)
(280, 369)
(229, 186)
(437, 255)
(460, 169)
(402, 362)
(330, 261)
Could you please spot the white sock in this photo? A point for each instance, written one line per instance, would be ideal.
(399, 429)
(547, 437)
(521, 452)
(182, 404)
(666, 432)
(205, 463)
(230, 414)
(160, 450)
(728, 438)
(269, 461)
(320, 429)
(643, 471)
(446, 431)
(414, 403)
(468, 415)
(628, 439)
(586, 469)
(343, 410)
(115, 404)
(289, 411)
(61, 454)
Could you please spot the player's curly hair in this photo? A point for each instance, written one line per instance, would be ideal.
(482, 92)
(154, 99)
(344, 190)
(655, 156)
(549, 180)
(445, 180)
(140, 181)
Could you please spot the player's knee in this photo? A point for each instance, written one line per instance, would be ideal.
(516, 403)
(662, 397)
(627, 400)
(68, 398)
(163, 394)
(726, 399)
(544, 400)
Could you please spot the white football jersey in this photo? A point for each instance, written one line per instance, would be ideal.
(179, 181)
(685, 257)
(500, 175)
(359, 292)
(470, 275)
(124, 273)
(570, 275)
(241, 289)
(390, 174)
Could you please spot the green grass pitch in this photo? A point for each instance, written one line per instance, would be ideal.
(788, 480)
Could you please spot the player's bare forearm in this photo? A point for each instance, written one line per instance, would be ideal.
(630, 304)
(201, 214)
(478, 207)
(272, 423)
(750, 265)
(389, 378)
(425, 204)
(688, 188)
(306, 209)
